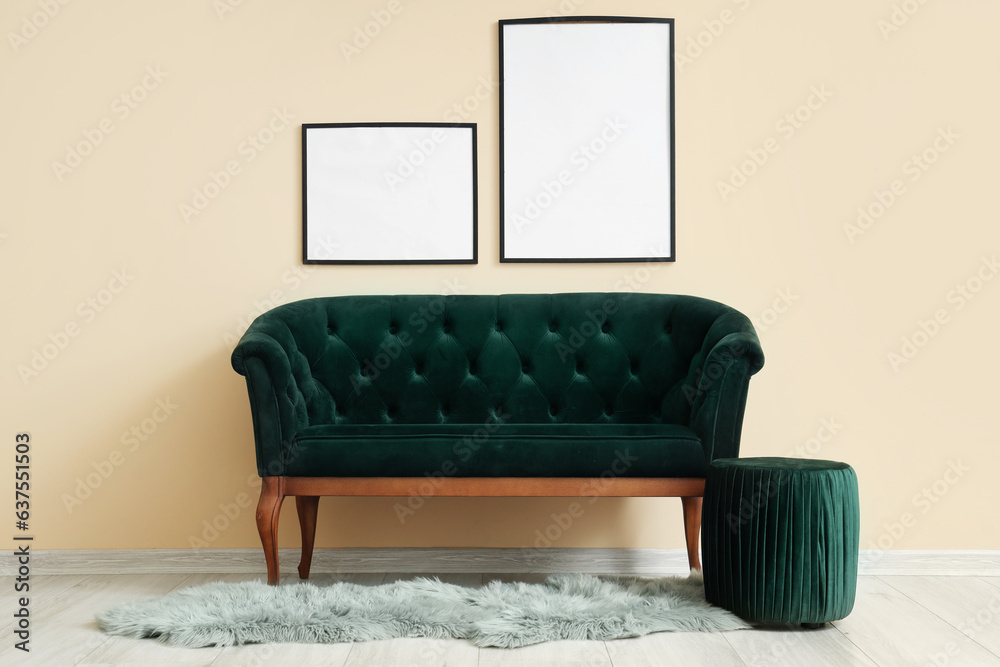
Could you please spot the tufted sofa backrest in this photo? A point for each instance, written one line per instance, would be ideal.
(521, 358)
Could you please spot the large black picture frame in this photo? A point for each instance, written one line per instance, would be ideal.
(587, 139)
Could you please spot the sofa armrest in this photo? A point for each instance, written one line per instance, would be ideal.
(719, 393)
(276, 404)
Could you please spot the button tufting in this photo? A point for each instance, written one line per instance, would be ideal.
(446, 327)
(667, 327)
(331, 328)
(605, 327)
(553, 326)
(393, 328)
(499, 326)
(526, 368)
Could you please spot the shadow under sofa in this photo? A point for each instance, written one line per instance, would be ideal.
(574, 394)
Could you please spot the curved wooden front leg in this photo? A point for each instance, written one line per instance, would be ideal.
(692, 528)
(307, 508)
(268, 508)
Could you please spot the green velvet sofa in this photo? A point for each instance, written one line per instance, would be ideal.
(577, 394)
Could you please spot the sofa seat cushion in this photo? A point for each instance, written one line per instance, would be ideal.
(496, 450)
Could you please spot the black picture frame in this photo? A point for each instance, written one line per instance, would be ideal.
(389, 193)
(552, 71)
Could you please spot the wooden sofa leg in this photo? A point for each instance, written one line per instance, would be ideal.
(692, 528)
(268, 508)
(307, 507)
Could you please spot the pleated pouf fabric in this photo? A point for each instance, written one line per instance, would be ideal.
(780, 539)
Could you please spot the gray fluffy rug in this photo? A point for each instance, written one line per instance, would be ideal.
(506, 615)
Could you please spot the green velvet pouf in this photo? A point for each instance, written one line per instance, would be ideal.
(780, 539)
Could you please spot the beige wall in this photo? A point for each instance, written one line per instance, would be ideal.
(779, 240)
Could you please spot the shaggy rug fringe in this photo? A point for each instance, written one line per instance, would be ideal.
(505, 615)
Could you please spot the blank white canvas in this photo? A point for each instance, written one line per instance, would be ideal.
(389, 193)
(586, 140)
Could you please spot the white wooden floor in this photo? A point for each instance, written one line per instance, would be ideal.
(897, 621)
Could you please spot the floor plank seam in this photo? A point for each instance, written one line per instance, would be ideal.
(853, 643)
(935, 614)
(992, 581)
(736, 650)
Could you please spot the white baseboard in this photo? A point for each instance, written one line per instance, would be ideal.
(648, 562)
(640, 562)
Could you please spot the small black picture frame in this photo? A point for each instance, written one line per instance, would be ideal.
(389, 193)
